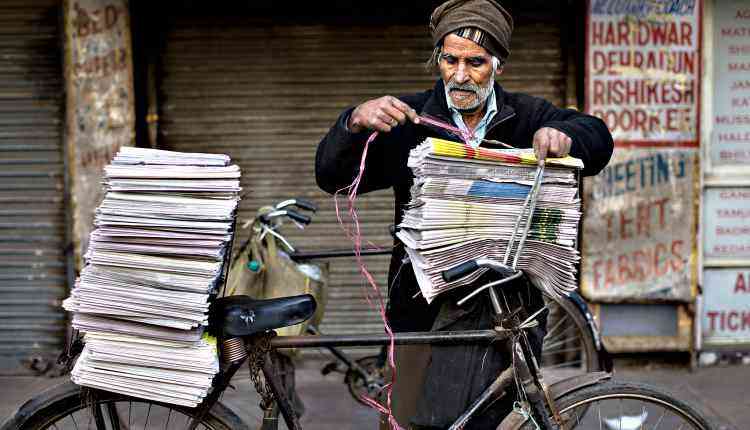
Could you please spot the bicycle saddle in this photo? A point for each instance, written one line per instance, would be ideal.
(243, 315)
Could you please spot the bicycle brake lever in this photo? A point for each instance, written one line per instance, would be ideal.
(487, 286)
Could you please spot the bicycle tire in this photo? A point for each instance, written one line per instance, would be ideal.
(585, 398)
(61, 405)
(556, 352)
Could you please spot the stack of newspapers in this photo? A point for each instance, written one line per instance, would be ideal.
(465, 203)
(155, 257)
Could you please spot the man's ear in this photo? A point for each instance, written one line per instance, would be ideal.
(499, 70)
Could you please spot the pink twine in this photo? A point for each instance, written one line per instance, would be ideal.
(356, 237)
(465, 135)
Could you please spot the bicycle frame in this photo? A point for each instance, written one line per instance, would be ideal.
(498, 389)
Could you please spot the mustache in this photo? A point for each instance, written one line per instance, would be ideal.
(463, 87)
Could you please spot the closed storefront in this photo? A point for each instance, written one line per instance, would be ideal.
(32, 226)
(264, 85)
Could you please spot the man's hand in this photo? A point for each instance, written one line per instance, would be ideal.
(381, 114)
(551, 142)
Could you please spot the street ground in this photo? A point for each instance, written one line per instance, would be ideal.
(720, 391)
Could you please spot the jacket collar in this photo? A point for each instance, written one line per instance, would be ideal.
(437, 106)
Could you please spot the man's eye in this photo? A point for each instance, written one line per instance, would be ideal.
(449, 59)
(476, 62)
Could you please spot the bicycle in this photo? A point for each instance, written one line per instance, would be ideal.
(582, 402)
(572, 344)
(245, 328)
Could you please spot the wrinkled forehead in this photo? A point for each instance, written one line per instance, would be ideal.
(462, 47)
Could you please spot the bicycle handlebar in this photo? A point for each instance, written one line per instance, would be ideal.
(466, 268)
(460, 271)
(291, 213)
(300, 203)
(304, 219)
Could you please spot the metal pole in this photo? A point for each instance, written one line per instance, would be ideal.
(417, 338)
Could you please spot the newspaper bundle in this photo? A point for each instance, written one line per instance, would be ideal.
(465, 203)
(155, 256)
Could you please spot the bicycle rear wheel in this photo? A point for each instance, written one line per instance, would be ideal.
(568, 348)
(64, 407)
(619, 405)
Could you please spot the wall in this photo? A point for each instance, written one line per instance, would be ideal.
(100, 113)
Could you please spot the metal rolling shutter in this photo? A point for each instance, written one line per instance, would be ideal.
(266, 93)
(32, 226)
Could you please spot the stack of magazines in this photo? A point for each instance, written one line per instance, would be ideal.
(465, 203)
(156, 255)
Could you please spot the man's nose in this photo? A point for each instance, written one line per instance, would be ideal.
(461, 74)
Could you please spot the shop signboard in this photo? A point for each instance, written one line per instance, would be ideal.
(725, 316)
(640, 226)
(643, 79)
(643, 68)
(730, 121)
(726, 220)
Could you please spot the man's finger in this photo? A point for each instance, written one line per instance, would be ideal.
(542, 151)
(541, 145)
(554, 145)
(406, 109)
(395, 114)
(378, 124)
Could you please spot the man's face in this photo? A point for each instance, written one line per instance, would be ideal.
(466, 69)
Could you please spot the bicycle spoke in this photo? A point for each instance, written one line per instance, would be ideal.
(74, 421)
(99, 418)
(557, 324)
(114, 417)
(148, 413)
(569, 363)
(620, 405)
(168, 417)
(643, 414)
(660, 419)
(599, 408)
(560, 351)
(559, 335)
(130, 413)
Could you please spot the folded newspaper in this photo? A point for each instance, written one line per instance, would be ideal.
(155, 257)
(465, 203)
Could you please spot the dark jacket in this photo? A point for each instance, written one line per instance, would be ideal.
(519, 116)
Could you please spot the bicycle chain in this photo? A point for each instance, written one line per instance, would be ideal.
(256, 358)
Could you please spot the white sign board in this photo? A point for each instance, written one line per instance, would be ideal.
(726, 220)
(730, 139)
(639, 228)
(726, 306)
(643, 68)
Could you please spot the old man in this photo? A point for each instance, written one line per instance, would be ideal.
(471, 45)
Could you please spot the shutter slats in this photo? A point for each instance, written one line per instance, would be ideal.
(266, 94)
(32, 216)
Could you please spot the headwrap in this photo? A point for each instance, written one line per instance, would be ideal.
(483, 21)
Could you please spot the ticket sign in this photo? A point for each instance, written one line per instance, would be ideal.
(639, 228)
(726, 306)
(726, 217)
(643, 68)
(730, 139)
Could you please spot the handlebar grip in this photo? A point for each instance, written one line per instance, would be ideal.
(460, 271)
(306, 204)
(304, 219)
(392, 229)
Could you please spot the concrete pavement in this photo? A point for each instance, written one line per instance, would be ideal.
(721, 391)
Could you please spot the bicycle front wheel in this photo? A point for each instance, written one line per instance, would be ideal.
(618, 405)
(568, 348)
(64, 407)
